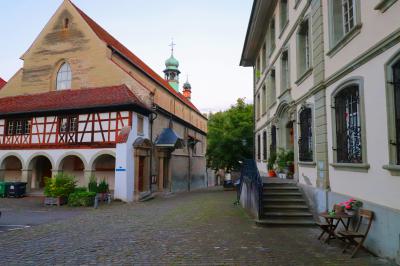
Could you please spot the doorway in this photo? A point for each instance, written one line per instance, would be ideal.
(41, 168)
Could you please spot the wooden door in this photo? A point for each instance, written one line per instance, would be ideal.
(141, 173)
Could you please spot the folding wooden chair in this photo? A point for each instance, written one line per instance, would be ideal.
(324, 225)
(349, 237)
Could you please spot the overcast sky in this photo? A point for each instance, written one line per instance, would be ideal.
(209, 35)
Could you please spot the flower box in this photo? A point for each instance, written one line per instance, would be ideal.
(57, 201)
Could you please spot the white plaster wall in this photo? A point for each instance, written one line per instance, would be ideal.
(124, 180)
(377, 185)
(375, 27)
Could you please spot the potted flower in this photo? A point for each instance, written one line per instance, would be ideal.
(270, 165)
(58, 188)
(351, 206)
(290, 163)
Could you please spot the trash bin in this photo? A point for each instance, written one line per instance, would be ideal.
(4, 187)
(17, 189)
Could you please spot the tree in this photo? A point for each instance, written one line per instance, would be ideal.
(230, 136)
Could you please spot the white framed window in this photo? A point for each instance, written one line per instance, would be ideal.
(344, 17)
(303, 48)
(18, 127)
(285, 80)
(140, 125)
(10, 128)
(284, 14)
(271, 35)
(64, 77)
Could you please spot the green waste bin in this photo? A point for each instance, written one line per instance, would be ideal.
(4, 187)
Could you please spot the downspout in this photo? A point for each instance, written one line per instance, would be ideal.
(254, 113)
(189, 166)
(154, 108)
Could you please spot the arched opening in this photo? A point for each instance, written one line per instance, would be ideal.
(40, 167)
(12, 169)
(286, 132)
(104, 168)
(64, 77)
(74, 166)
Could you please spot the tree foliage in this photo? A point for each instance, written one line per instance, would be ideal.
(230, 136)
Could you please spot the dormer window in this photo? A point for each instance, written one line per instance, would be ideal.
(64, 77)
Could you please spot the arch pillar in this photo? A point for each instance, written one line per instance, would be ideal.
(2, 172)
(26, 176)
(88, 173)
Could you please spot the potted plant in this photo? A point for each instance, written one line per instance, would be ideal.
(281, 163)
(290, 163)
(270, 165)
(351, 206)
(58, 188)
(102, 190)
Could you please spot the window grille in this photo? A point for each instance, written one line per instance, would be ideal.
(348, 126)
(396, 84)
(305, 140)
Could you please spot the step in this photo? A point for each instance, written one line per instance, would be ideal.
(287, 214)
(278, 188)
(284, 200)
(295, 222)
(282, 193)
(293, 206)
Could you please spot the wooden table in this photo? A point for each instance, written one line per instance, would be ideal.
(333, 220)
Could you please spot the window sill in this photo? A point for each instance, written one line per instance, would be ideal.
(283, 28)
(284, 92)
(393, 168)
(356, 167)
(307, 164)
(304, 76)
(345, 40)
(384, 5)
(297, 4)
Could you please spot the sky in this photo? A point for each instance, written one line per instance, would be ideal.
(209, 37)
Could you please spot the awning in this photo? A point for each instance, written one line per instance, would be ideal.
(169, 139)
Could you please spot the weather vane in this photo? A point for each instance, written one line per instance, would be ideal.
(172, 46)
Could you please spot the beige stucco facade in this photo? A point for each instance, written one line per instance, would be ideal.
(362, 55)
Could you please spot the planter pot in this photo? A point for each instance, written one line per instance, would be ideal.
(102, 196)
(271, 173)
(339, 209)
(58, 201)
(351, 212)
(282, 175)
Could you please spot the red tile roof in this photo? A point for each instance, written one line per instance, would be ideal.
(114, 43)
(2, 83)
(70, 100)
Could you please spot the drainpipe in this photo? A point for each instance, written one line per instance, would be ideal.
(189, 166)
(154, 108)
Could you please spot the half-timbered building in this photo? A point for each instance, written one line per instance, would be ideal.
(85, 104)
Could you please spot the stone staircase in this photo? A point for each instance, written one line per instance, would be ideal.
(284, 204)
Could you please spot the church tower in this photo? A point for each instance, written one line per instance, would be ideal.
(171, 70)
(187, 90)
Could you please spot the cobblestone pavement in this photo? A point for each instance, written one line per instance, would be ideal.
(198, 228)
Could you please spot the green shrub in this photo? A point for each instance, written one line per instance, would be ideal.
(80, 189)
(61, 185)
(103, 187)
(83, 198)
(92, 186)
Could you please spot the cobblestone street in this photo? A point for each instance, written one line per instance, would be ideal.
(190, 228)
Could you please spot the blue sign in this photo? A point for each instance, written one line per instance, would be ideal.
(120, 169)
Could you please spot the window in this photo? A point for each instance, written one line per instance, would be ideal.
(305, 139)
(258, 147)
(348, 125)
(271, 95)
(393, 110)
(283, 14)
(265, 145)
(64, 77)
(272, 35)
(258, 107)
(264, 100)
(264, 56)
(66, 23)
(140, 125)
(343, 18)
(285, 71)
(396, 87)
(68, 124)
(303, 48)
(18, 127)
(273, 140)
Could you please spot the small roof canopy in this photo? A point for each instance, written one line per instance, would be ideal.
(142, 143)
(169, 139)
